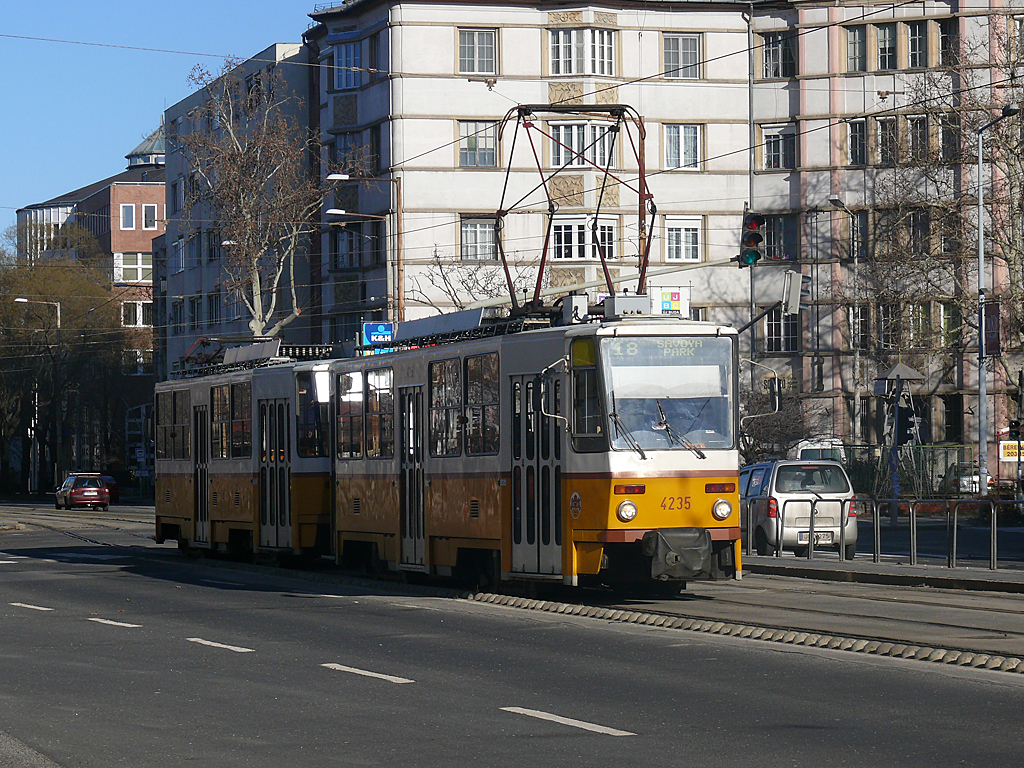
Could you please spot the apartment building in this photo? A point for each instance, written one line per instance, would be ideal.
(865, 119)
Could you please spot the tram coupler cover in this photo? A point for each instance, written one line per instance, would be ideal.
(678, 553)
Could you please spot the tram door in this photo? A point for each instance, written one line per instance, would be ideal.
(275, 473)
(411, 446)
(537, 445)
(200, 473)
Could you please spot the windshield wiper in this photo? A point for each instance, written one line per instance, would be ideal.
(622, 429)
(672, 436)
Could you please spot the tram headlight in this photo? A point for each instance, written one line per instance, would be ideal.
(722, 509)
(626, 511)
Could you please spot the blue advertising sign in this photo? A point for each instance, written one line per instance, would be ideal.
(378, 333)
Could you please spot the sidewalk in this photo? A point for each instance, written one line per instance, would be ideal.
(894, 570)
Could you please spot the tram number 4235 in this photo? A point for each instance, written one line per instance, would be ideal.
(675, 502)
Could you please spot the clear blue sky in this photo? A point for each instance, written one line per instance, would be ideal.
(70, 112)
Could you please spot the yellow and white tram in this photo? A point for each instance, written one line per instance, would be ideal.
(600, 451)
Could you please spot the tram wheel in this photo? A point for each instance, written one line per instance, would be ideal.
(669, 589)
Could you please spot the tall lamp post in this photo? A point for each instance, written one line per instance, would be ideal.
(57, 458)
(1007, 111)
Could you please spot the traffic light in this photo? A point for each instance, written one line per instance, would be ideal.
(1015, 429)
(751, 239)
(796, 293)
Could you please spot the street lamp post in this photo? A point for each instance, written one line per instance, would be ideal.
(57, 458)
(1007, 111)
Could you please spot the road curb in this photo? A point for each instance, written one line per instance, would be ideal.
(990, 583)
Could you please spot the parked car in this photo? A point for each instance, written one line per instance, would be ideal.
(115, 491)
(780, 496)
(961, 479)
(83, 489)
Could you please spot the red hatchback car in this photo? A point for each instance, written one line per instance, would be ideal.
(83, 490)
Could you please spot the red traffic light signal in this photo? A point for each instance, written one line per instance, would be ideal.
(751, 239)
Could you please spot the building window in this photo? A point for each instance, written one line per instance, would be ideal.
(682, 56)
(859, 328)
(477, 143)
(137, 314)
(920, 325)
(682, 146)
(176, 260)
(951, 324)
(580, 239)
(888, 326)
(172, 198)
(857, 140)
(194, 251)
(195, 313)
(886, 46)
(582, 52)
(859, 234)
(127, 216)
(917, 39)
(149, 213)
(887, 140)
(213, 305)
(919, 226)
(917, 129)
(176, 320)
(949, 42)
(780, 238)
(781, 332)
(779, 148)
(137, 267)
(779, 55)
(347, 242)
(856, 49)
(477, 51)
(578, 143)
(348, 65)
(479, 240)
(214, 246)
(682, 240)
(949, 137)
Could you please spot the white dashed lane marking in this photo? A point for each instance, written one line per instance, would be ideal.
(367, 673)
(212, 644)
(114, 623)
(567, 721)
(33, 607)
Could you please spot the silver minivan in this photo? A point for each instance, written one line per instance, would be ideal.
(780, 496)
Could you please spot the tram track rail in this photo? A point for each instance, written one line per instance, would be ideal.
(967, 629)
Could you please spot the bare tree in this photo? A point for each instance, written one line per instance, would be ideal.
(441, 287)
(255, 174)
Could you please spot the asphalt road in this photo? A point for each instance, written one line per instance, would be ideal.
(116, 652)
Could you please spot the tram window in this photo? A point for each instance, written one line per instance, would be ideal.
(311, 419)
(587, 415)
(517, 421)
(173, 424)
(350, 415)
(482, 415)
(220, 421)
(445, 408)
(380, 414)
(241, 420)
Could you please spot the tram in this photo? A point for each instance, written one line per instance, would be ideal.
(600, 449)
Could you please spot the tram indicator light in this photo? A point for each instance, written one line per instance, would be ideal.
(629, 490)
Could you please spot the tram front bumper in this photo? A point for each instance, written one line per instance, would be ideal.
(678, 553)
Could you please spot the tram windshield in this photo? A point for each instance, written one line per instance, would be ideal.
(670, 392)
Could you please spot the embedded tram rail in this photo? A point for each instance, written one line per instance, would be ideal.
(979, 627)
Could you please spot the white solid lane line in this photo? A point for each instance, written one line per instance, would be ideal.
(8, 562)
(33, 607)
(366, 673)
(212, 644)
(567, 721)
(114, 623)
